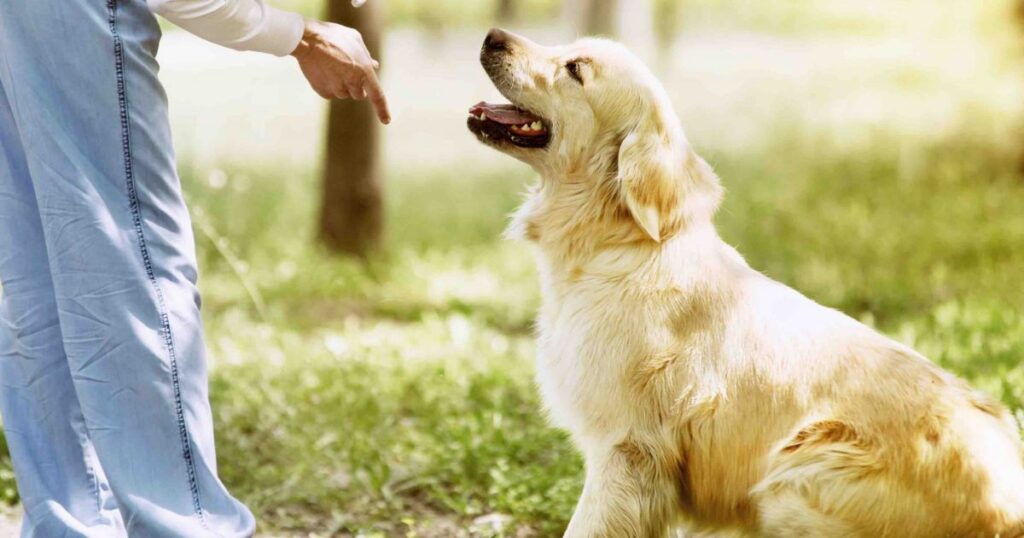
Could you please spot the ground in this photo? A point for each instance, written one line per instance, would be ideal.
(872, 168)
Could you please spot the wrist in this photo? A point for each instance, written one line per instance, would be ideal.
(310, 36)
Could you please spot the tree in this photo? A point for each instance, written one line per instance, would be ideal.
(600, 17)
(506, 11)
(351, 215)
(1019, 13)
(635, 27)
(631, 21)
(667, 19)
(591, 17)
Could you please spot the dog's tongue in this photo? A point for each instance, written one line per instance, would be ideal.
(504, 114)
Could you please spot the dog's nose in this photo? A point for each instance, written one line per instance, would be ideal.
(496, 41)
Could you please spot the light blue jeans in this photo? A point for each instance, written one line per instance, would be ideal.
(103, 382)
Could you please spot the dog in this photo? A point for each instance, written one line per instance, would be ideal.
(700, 392)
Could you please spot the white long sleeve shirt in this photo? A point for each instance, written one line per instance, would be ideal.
(237, 24)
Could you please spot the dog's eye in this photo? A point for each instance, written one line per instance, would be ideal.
(573, 68)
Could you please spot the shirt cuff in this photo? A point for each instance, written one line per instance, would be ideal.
(281, 33)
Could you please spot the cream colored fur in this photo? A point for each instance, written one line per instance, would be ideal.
(699, 391)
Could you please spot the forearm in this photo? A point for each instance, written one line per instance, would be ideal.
(237, 24)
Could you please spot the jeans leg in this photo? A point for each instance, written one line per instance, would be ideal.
(62, 486)
(82, 80)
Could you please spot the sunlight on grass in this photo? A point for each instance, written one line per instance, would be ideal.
(372, 418)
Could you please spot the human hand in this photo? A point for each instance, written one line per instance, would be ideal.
(337, 65)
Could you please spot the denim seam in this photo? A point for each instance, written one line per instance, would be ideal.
(135, 206)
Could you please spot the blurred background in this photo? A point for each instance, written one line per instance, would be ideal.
(370, 333)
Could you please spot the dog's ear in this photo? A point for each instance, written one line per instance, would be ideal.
(650, 174)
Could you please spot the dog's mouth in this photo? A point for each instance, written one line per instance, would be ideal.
(508, 124)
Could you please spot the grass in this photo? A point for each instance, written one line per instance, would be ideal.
(396, 397)
(377, 396)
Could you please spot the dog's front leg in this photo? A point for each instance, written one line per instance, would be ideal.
(624, 496)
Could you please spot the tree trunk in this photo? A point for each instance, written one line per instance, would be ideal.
(634, 26)
(1019, 12)
(590, 17)
(600, 17)
(630, 21)
(351, 217)
(667, 21)
(507, 11)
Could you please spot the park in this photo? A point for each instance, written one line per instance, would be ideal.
(371, 332)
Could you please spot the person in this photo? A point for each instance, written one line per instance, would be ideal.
(103, 381)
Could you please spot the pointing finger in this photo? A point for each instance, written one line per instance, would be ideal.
(376, 94)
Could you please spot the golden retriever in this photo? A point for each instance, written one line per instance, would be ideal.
(699, 391)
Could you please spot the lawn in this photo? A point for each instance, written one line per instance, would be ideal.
(878, 175)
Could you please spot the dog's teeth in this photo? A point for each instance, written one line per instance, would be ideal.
(481, 116)
(536, 125)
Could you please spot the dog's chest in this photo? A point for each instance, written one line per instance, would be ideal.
(589, 344)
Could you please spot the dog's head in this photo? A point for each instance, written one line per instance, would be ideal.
(600, 129)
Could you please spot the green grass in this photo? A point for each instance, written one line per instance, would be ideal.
(362, 396)
(390, 396)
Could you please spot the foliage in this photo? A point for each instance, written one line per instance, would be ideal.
(872, 17)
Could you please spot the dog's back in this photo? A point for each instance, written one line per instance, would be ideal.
(826, 428)
(947, 463)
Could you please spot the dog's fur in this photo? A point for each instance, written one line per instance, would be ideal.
(699, 390)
